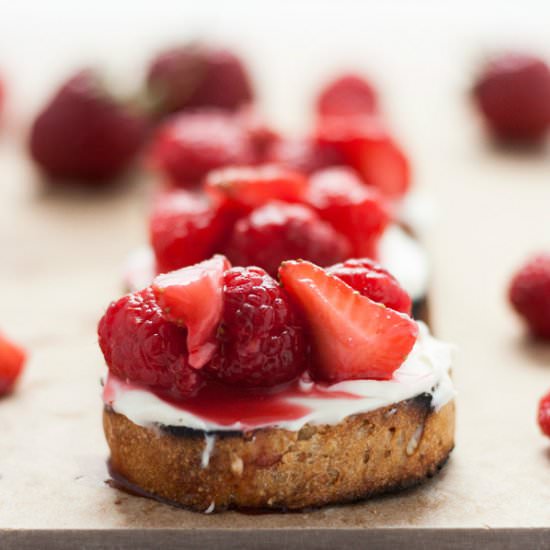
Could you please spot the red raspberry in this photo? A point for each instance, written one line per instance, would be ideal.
(353, 209)
(12, 361)
(195, 75)
(190, 145)
(302, 154)
(368, 148)
(279, 231)
(139, 345)
(544, 414)
(530, 294)
(84, 133)
(513, 94)
(262, 342)
(374, 282)
(185, 229)
(348, 95)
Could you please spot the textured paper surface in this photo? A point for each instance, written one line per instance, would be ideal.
(62, 254)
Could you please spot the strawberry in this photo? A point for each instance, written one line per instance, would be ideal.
(192, 297)
(245, 188)
(357, 211)
(370, 150)
(12, 360)
(352, 336)
(84, 133)
(543, 415)
(348, 95)
(185, 228)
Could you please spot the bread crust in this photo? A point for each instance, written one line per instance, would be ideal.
(271, 468)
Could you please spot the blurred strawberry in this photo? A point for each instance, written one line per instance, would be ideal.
(12, 360)
(196, 75)
(367, 147)
(84, 133)
(347, 95)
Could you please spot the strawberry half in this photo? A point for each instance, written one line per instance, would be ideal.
(352, 336)
(368, 148)
(193, 297)
(12, 359)
(246, 188)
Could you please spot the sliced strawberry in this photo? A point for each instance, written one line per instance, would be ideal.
(357, 211)
(12, 359)
(368, 148)
(352, 336)
(249, 187)
(193, 297)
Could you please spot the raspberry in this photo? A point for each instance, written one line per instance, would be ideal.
(279, 231)
(530, 294)
(302, 154)
(190, 145)
(353, 209)
(262, 342)
(196, 75)
(513, 94)
(348, 95)
(374, 282)
(141, 346)
(544, 414)
(12, 361)
(185, 229)
(84, 133)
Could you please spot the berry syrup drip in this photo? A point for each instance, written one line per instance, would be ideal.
(229, 405)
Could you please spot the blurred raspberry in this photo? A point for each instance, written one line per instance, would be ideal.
(84, 133)
(190, 145)
(530, 294)
(196, 75)
(304, 155)
(347, 95)
(513, 94)
(355, 210)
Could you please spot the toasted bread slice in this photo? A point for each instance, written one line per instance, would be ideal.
(271, 468)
